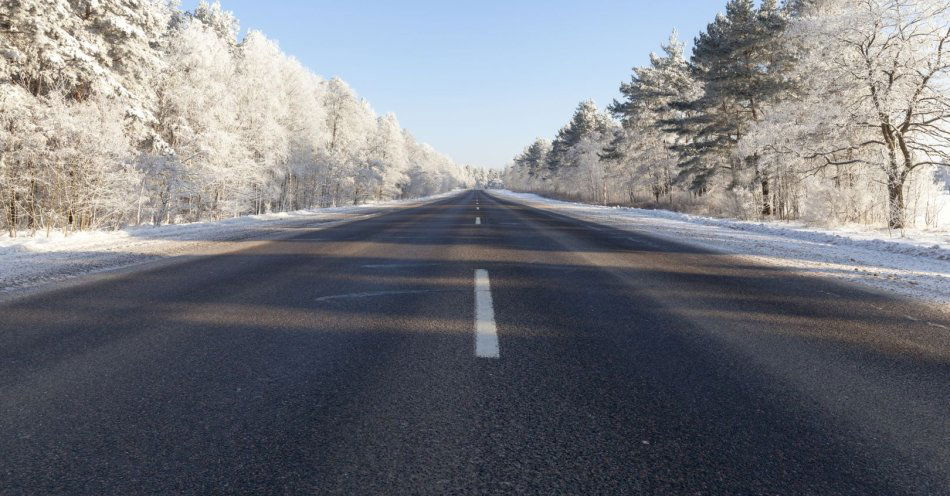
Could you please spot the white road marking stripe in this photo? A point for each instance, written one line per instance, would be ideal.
(478, 220)
(486, 333)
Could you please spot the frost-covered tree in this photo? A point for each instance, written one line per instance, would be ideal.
(571, 163)
(196, 126)
(22, 147)
(586, 122)
(82, 45)
(262, 108)
(891, 65)
(740, 65)
(871, 110)
(306, 124)
(430, 172)
(87, 176)
(349, 123)
(222, 22)
(647, 112)
(64, 163)
(831, 111)
(115, 112)
(530, 166)
(383, 173)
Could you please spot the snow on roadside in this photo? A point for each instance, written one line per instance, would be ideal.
(30, 261)
(915, 266)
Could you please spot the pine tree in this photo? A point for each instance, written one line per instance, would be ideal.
(646, 112)
(737, 61)
(586, 121)
(533, 158)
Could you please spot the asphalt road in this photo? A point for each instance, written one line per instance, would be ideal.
(343, 361)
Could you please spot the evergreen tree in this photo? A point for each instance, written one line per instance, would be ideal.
(533, 158)
(646, 112)
(740, 66)
(585, 123)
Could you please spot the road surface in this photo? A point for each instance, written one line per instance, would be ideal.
(471, 345)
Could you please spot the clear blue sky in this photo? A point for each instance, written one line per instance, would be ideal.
(477, 80)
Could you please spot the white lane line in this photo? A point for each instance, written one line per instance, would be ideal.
(478, 220)
(486, 333)
(476, 208)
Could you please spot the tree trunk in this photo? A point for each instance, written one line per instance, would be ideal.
(895, 197)
(163, 197)
(33, 216)
(762, 178)
(138, 210)
(198, 207)
(668, 184)
(895, 181)
(215, 211)
(13, 215)
(766, 200)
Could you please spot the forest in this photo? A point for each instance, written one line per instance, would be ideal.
(116, 113)
(826, 111)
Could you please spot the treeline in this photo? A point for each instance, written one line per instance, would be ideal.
(832, 111)
(115, 113)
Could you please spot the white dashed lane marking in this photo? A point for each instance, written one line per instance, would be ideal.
(486, 333)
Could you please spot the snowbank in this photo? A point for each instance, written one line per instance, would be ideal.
(915, 265)
(30, 261)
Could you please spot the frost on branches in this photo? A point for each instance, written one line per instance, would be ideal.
(114, 113)
(830, 111)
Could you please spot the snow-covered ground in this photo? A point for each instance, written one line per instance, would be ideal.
(915, 265)
(27, 262)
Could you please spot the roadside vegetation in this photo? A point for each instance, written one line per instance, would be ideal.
(117, 113)
(828, 111)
